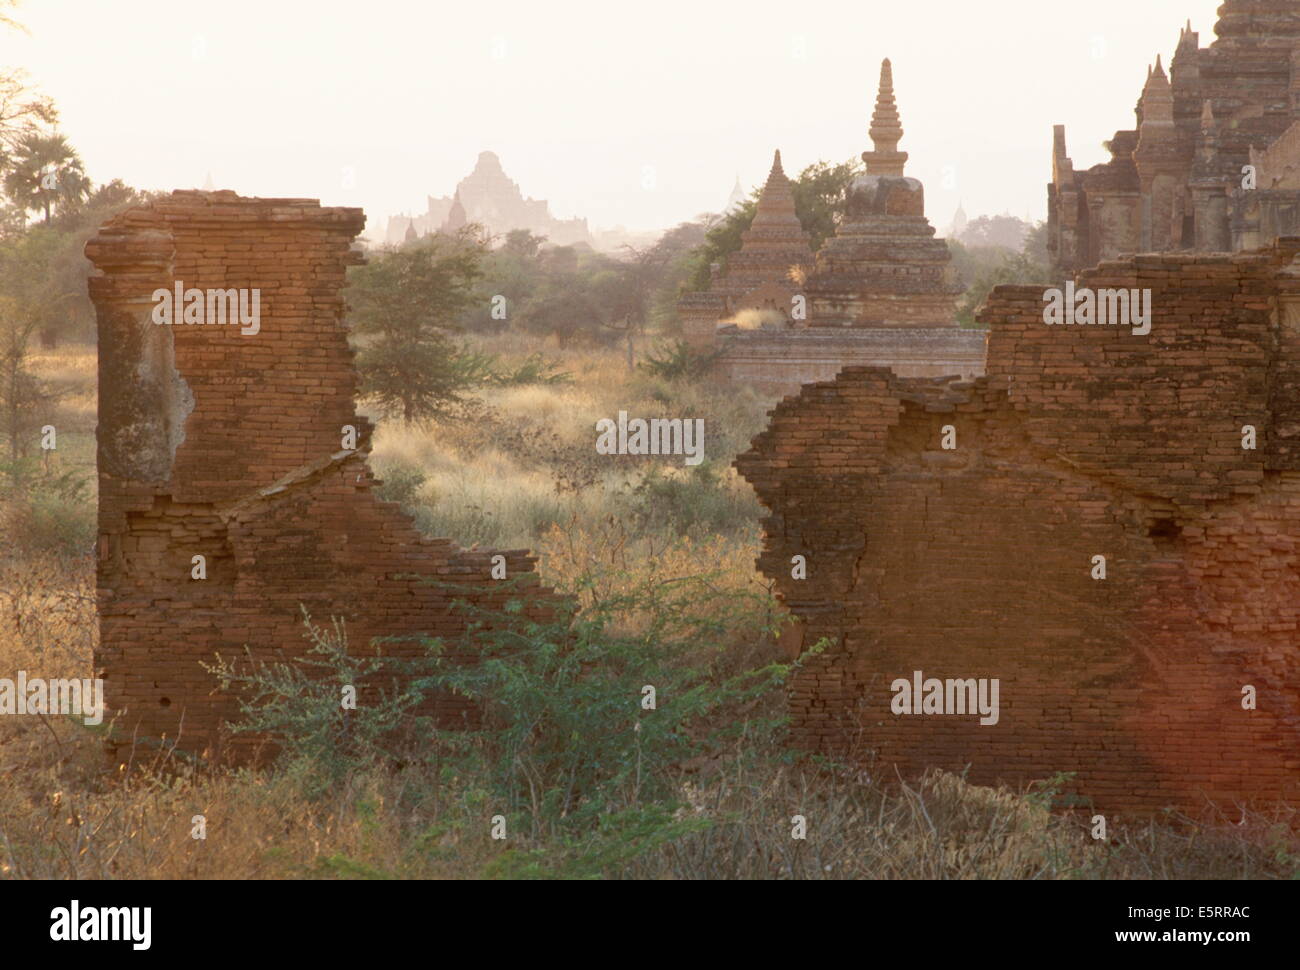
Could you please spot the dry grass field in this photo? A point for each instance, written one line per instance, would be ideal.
(521, 474)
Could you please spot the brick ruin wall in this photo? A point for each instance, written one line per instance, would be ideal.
(229, 445)
(779, 362)
(978, 562)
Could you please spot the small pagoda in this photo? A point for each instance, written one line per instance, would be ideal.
(884, 268)
(761, 275)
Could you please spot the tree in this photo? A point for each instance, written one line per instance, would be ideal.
(677, 247)
(67, 268)
(645, 269)
(820, 196)
(991, 267)
(30, 300)
(22, 111)
(521, 243)
(21, 392)
(513, 274)
(559, 311)
(1007, 232)
(720, 241)
(1035, 246)
(403, 305)
(429, 378)
(45, 172)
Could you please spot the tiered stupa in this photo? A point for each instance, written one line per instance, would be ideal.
(884, 267)
(774, 246)
(880, 293)
(761, 275)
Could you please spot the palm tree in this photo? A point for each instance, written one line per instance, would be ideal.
(45, 172)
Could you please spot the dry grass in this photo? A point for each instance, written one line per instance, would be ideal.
(530, 463)
(759, 320)
(65, 813)
(73, 370)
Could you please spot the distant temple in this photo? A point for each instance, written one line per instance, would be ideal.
(880, 292)
(959, 222)
(1180, 180)
(884, 267)
(737, 198)
(457, 218)
(488, 197)
(761, 275)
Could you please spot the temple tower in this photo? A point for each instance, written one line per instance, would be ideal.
(1160, 167)
(457, 218)
(884, 268)
(775, 246)
(774, 251)
(1177, 180)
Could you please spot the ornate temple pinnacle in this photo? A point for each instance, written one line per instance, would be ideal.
(776, 201)
(886, 129)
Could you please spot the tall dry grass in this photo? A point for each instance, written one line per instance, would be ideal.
(66, 813)
(529, 463)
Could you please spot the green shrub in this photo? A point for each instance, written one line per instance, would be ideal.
(535, 369)
(696, 500)
(566, 739)
(677, 361)
(46, 512)
(566, 748)
(401, 481)
(298, 703)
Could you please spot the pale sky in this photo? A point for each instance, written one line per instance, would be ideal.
(627, 113)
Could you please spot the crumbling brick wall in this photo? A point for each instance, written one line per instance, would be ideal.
(229, 445)
(977, 562)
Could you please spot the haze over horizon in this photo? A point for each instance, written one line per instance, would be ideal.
(627, 117)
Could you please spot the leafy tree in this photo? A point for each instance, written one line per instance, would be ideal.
(67, 269)
(720, 241)
(45, 172)
(428, 378)
(32, 300)
(560, 311)
(640, 273)
(990, 267)
(522, 243)
(1005, 231)
(513, 273)
(820, 195)
(25, 398)
(1035, 246)
(677, 247)
(22, 111)
(573, 292)
(403, 305)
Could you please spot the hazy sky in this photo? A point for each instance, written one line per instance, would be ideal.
(628, 113)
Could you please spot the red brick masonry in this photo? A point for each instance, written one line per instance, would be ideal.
(229, 445)
(977, 562)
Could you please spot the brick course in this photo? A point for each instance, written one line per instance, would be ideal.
(976, 562)
(228, 445)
